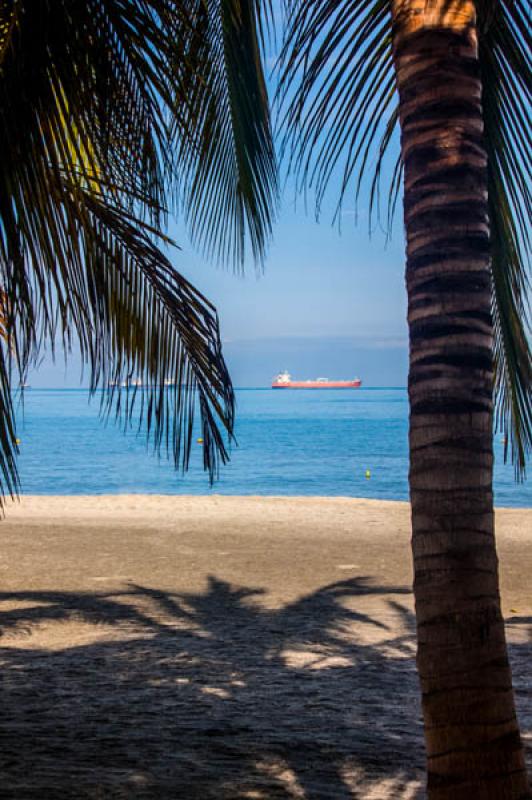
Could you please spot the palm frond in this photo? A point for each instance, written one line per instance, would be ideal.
(340, 114)
(504, 51)
(9, 477)
(148, 322)
(8, 19)
(103, 119)
(337, 94)
(231, 187)
(134, 316)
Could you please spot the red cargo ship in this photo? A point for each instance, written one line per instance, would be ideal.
(284, 381)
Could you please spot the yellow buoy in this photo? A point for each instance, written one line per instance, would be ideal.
(368, 474)
(200, 440)
(17, 441)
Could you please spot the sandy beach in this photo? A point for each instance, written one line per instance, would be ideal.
(221, 647)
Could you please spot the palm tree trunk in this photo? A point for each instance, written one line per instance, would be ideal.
(473, 744)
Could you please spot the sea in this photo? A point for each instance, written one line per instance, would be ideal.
(350, 443)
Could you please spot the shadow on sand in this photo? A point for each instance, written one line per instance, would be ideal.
(156, 694)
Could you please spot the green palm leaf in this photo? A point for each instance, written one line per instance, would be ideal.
(507, 80)
(231, 188)
(337, 91)
(100, 127)
(339, 117)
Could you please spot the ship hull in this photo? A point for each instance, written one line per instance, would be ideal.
(317, 384)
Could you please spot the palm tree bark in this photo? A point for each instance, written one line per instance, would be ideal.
(472, 736)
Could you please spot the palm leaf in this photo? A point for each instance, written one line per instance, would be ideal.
(231, 186)
(505, 45)
(104, 119)
(337, 93)
(339, 116)
(148, 322)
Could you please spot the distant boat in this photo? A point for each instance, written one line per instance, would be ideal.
(137, 383)
(284, 381)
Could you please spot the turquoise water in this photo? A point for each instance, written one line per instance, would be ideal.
(289, 443)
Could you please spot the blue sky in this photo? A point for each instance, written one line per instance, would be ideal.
(327, 303)
(323, 298)
(316, 282)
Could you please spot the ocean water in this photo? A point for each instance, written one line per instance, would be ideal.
(289, 443)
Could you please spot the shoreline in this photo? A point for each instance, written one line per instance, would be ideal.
(297, 498)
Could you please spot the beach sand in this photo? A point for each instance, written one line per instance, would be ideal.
(221, 647)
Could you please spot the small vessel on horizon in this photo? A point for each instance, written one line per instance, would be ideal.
(138, 383)
(134, 383)
(284, 381)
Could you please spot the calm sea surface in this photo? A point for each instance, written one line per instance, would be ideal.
(289, 443)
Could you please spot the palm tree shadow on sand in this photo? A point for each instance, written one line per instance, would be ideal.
(210, 695)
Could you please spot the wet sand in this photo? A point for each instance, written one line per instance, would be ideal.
(221, 647)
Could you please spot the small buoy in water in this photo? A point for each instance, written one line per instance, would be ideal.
(200, 440)
(368, 474)
(17, 441)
